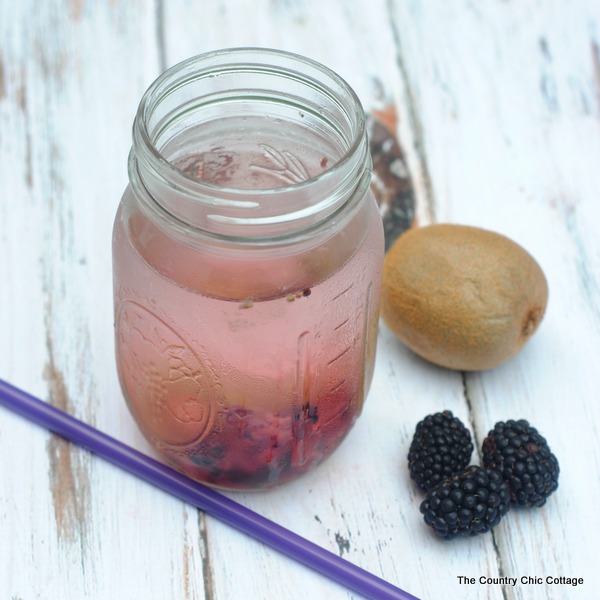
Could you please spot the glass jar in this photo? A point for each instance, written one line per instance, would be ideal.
(247, 255)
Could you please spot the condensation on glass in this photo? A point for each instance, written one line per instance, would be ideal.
(247, 257)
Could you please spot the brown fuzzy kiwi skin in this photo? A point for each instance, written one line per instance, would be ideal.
(462, 297)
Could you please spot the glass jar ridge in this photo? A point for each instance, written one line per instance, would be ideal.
(249, 84)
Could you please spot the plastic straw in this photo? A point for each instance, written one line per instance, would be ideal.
(200, 496)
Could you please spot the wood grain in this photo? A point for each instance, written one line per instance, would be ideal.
(495, 109)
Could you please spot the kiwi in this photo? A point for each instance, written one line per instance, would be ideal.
(462, 297)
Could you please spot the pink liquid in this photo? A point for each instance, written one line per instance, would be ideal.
(245, 371)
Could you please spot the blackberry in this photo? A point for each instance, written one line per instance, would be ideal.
(466, 504)
(523, 457)
(440, 447)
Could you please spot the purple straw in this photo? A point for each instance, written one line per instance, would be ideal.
(200, 496)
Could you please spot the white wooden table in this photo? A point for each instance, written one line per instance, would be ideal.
(497, 108)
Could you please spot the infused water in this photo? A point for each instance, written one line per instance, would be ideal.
(246, 319)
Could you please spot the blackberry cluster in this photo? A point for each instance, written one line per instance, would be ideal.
(518, 468)
(524, 459)
(440, 447)
(467, 503)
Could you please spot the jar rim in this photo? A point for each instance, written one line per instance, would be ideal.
(246, 82)
(171, 78)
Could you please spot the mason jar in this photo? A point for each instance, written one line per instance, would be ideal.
(247, 255)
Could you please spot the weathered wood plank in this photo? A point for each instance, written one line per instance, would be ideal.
(72, 75)
(360, 504)
(509, 98)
